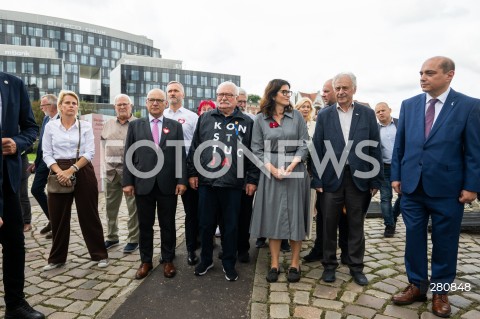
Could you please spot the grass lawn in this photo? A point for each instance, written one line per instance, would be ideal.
(32, 157)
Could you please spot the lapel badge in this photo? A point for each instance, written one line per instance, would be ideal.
(181, 121)
(166, 130)
(6, 82)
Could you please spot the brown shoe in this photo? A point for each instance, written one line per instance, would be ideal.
(143, 270)
(441, 306)
(409, 295)
(169, 270)
(27, 228)
(46, 229)
(49, 235)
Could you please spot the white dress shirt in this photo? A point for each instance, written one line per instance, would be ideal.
(60, 143)
(188, 119)
(438, 106)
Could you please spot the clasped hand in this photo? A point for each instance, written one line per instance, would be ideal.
(64, 178)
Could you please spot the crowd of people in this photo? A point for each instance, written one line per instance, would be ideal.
(264, 176)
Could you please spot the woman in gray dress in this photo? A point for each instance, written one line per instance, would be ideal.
(279, 140)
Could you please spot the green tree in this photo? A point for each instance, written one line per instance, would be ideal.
(253, 98)
(37, 112)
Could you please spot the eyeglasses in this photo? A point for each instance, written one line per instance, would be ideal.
(241, 102)
(286, 92)
(155, 100)
(227, 95)
(122, 104)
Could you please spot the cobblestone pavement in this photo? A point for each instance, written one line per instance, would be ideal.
(82, 290)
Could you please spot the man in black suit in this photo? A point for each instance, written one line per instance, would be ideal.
(155, 175)
(347, 139)
(18, 132)
(48, 103)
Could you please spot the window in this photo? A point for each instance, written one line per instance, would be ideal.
(177, 77)
(188, 91)
(55, 44)
(51, 83)
(115, 55)
(31, 31)
(16, 40)
(78, 48)
(11, 66)
(33, 42)
(93, 60)
(24, 30)
(91, 40)
(208, 93)
(188, 79)
(165, 77)
(105, 63)
(10, 28)
(43, 68)
(100, 41)
(54, 69)
(131, 88)
(203, 80)
(27, 67)
(45, 43)
(199, 92)
(112, 64)
(63, 46)
(77, 37)
(214, 82)
(155, 76)
(97, 51)
(38, 32)
(134, 75)
(72, 57)
(68, 36)
(86, 49)
(194, 78)
(83, 59)
(147, 75)
(68, 67)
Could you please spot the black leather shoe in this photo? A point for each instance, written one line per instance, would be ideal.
(359, 278)
(329, 275)
(192, 258)
(24, 312)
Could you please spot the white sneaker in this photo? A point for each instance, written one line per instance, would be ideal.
(52, 266)
(103, 263)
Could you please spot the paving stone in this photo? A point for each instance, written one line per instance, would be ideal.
(307, 312)
(279, 311)
(84, 294)
(259, 294)
(76, 307)
(400, 312)
(326, 292)
(329, 304)
(259, 310)
(472, 314)
(301, 286)
(370, 301)
(348, 296)
(93, 308)
(459, 301)
(360, 311)
(332, 315)
(386, 272)
(385, 287)
(278, 286)
(279, 297)
(108, 293)
(62, 315)
(58, 302)
(301, 297)
(377, 316)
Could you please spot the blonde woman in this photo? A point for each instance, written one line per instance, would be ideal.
(305, 107)
(60, 142)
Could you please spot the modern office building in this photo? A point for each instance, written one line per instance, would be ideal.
(51, 54)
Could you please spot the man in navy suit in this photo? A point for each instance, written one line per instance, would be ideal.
(351, 175)
(18, 132)
(436, 168)
(48, 103)
(155, 186)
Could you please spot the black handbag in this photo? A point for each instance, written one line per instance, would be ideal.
(53, 185)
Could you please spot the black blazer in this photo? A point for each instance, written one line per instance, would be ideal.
(363, 127)
(145, 159)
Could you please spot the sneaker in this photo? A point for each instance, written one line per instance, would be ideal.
(294, 274)
(244, 257)
(202, 269)
(389, 231)
(130, 248)
(231, 275)
(217, 232)
(285, 246)
(261, 242)
(272, 275)
(103, 263)
(111, 243)
(52, 266)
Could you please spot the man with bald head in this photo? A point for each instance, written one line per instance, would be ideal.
(388, 128)
(436, 168)
(155, 185)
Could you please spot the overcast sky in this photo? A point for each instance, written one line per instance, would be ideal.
(384, 43)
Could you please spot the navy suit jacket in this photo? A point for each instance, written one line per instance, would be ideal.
(18, 124)
(448, 161)
(363, 127)
(145, 158)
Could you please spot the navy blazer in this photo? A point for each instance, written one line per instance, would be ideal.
(448, 161)
(363, 127)
(145, 158)
(18, 123)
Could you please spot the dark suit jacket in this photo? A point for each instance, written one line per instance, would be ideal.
(145, 158)
(363, 127)
(18, 123)
(449, 159)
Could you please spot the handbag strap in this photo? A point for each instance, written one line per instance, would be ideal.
(79, 139)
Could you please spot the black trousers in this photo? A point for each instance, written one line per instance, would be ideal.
(190, 205)
(13, 244)
(354, 200)
(166, 206)
(246, 207)
(24, 200)
(38, 187)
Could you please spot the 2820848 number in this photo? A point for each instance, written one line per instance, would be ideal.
(436, 287)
